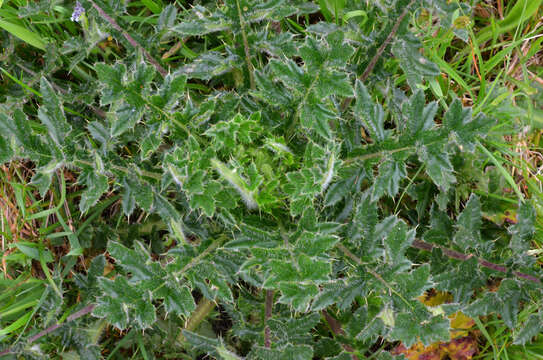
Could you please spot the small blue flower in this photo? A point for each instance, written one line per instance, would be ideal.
(78, 11)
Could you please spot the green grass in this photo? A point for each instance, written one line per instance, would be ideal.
(495, 71)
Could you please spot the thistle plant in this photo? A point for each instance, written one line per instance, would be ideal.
(302, 188)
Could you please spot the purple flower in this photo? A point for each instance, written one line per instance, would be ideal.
(78, 11)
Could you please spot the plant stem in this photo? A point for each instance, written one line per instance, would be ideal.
(374, 274)
(376, 154)
(250, 68)
(148, 174)
(269, 308)
(129, 38)
(335, 326)
(453, 254)
(205, 306)
(423, 245)
(380, 51)
(87, 309)
(387, 41)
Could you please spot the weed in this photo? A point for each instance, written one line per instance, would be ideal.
(270, 180)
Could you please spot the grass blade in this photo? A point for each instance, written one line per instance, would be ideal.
(23, 34)
(504, 172)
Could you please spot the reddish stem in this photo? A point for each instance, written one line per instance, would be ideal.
(337, 330)
(129, 38)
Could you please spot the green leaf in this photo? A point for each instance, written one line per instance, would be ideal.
(124, 304)
(415, 66)
(239, 130)
(317, 117)
(523, 230)
(350, 178)
(280, 271)
(177, 299)
(312, 84)
(51, 114)
(485, 305)
(133, 262)
(210, 65)
(314, 244)
(138, 88)
(297, 295)
(5, 151)
(42, 179)
(313, 270)
(437, 164)
(468, 225)
(237, 182)
(89, 283)
(266, 10)
(391, 172)
(529, 329)
(171, 91)
(333, 83)
(226, 355)
(211, 281)
(151, 5)
(398, 240)
(289, 73)
(465, 129)
(414, 283)
(440, 230)
(138, 192)
(295, 330)
(167, 17)
(370, 113)
(206, 201)
(268, 91)
(420, 117)
(202, 343)
(510, 296)
(336, 52)
(170, 216)
(96, 185)
(112, 78)
(340, 293)
(408, 328)
(289, 352)
(347, 356)
(302, 188)
(365, 218)
(129, 201)
(99, 132)
(126, 117)
(202, 22)
(18, 128)
(32, 250)
(250, 236)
